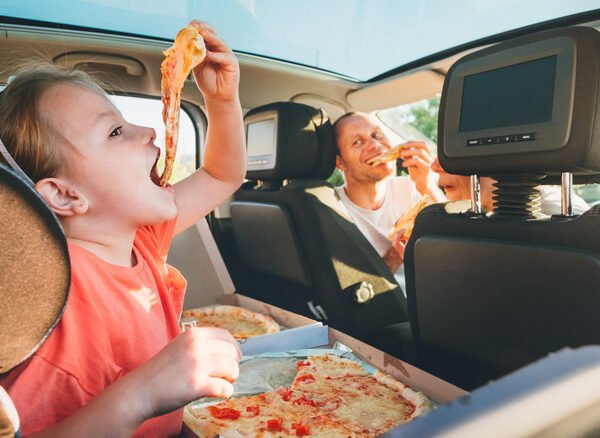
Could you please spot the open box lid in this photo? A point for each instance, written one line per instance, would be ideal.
(558, 395)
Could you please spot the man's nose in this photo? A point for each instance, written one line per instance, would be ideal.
(376, 144)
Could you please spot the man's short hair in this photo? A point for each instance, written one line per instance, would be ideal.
(336, 126)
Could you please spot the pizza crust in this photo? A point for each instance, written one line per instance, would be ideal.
(240, 322)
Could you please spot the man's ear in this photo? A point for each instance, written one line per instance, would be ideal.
(62, 198)
(339, 163)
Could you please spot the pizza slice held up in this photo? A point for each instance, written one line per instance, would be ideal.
(187, 52)
(407, 220)
(389, 155)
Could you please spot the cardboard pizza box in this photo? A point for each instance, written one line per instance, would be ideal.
(304, 332)
(436, 389)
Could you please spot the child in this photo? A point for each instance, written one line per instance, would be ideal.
(116, 359)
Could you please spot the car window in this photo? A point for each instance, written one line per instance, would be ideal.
(418, 121)
(414, 121)
(145, 111)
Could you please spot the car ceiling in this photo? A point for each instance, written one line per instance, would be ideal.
(132, 65)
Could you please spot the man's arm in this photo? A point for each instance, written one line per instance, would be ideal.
(224, 161)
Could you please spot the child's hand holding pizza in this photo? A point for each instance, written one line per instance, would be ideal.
(200, 362)
(219, 75)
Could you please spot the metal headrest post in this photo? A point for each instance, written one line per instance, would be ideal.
(475, 195)
(566, 192)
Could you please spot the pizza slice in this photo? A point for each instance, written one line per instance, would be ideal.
(389, 155)
(187, 52)
(407, 220)
(240, 322)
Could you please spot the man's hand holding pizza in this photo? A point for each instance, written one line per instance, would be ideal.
(417, 160)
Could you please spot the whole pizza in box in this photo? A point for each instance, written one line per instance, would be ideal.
(330, 397)
(241, 323)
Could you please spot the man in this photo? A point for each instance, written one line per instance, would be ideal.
(372, 194)
(458, 187)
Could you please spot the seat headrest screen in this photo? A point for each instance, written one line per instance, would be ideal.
(261, 137)
(261, 140)
(514, 95)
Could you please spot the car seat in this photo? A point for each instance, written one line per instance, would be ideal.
(488, 294)
(298, 246)
(34, 279)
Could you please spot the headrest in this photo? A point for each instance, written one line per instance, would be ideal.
(531, 104)
(34, 270)
(288, 140)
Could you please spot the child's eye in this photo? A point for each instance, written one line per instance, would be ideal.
(116, 131)
(357, 142)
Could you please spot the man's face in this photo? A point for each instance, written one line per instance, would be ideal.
(360, 139)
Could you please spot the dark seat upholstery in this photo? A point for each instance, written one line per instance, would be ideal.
(298, 246)
(490, 294)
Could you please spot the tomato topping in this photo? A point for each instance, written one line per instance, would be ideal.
(302, 400)
(275, 425)
(328, 378)
(306, 378)
(301, 430)
(254, 410)
(286, 394)
(302, 363)
(224, 412)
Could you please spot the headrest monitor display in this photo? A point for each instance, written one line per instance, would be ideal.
(261, 138)
(511, 100)
(525, 105)
(514, 95)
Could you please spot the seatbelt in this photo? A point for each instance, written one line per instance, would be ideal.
(12, 163)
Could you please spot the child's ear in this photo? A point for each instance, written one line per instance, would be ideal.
(62, 198)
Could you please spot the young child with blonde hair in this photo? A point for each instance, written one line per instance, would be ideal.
(116, 364)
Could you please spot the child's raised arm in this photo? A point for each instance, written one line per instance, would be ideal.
(224, 164)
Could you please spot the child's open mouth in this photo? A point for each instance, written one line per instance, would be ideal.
(154, 176)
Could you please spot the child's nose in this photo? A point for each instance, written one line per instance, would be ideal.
(436, 167)
(148, 135)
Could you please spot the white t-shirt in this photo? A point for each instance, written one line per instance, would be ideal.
(400, 195)
(551, 202)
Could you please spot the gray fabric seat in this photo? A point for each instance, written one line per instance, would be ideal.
(298, 247)
(490, 294)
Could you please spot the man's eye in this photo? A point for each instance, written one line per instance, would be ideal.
(378, 135)
(116, 131)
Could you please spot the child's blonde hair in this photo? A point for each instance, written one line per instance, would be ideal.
(30, 139)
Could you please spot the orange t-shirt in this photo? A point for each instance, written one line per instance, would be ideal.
(115, 320)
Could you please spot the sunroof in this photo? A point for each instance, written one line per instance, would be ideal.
(360, 39)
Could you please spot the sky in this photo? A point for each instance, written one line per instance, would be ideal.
(357, 38)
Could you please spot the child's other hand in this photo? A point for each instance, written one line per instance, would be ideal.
(219, 75)
(200, 362)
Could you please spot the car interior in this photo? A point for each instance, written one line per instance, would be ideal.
(485, 294)
(316, 262)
